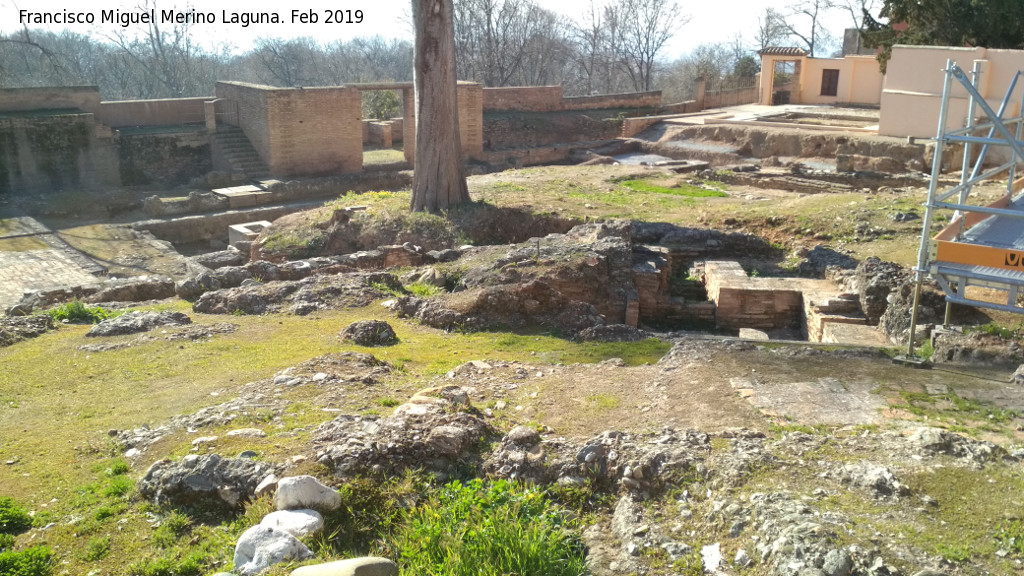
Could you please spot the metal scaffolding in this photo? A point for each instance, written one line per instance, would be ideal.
(984, 244)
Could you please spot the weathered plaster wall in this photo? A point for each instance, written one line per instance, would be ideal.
(54, 152)
(85, 98)
(162, 112)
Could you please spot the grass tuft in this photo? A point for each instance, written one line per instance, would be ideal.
(76, 312)
(496, 528)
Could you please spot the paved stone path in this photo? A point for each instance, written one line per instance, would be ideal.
(56, 267)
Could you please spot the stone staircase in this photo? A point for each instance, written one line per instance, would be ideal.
(236, 149)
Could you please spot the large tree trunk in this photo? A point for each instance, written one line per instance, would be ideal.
(438, 179)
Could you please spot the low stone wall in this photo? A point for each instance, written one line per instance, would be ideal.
(378, 133)
(206, 227)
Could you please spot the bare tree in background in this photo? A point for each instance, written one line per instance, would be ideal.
(509, 42)
(289, 62)
(439, 179)
(857, 9)
(771, 29)
(173, 62)
(646, 25)
(804, 23)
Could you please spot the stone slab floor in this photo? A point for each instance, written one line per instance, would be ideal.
(33, 258)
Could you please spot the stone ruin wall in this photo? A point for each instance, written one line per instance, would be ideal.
(50, 141)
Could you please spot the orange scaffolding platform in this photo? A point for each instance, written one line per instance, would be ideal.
(984, 243)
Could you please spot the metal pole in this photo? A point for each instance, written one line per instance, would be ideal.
(922, 253)
(966, 164)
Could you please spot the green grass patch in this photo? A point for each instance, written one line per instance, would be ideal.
(478, 529)
(604, 401)
(423, 290)
(382, 156)
(22, 244)
(76, 312)
(684, 190)
(952, 407)
(13, 518)
(35, 561)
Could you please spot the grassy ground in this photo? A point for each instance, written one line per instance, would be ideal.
(58, 402)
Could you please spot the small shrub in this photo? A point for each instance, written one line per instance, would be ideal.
(118, 486)
(104, 512)
(396, 291)
(174, 526)
(690, 565)
(13, 518)
(994, 329)
(35, 561)
(421, 289)
(118, 467)
(926, 351)
(6, 541)
(1011, 536)
(76, 312)
(504, 527)
(387, 402)
(954, 552)
(97, 549)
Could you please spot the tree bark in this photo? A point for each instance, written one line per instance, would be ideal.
(439, 179)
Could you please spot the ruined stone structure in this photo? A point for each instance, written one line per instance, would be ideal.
(66, 138)
(52, 139)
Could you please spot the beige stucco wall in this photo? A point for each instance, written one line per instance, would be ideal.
(860, 80)
(912, 93)
(868, 80)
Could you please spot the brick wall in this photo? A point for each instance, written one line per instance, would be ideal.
(86, 98)
(629, 100)
(308, 132)
(471, 125)
(378, 133)
(163, 112)
(731, 97)
(550, 99)
(523, 99)
(744, 302)
(315, 131)
(471, 119)
(251, 103)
